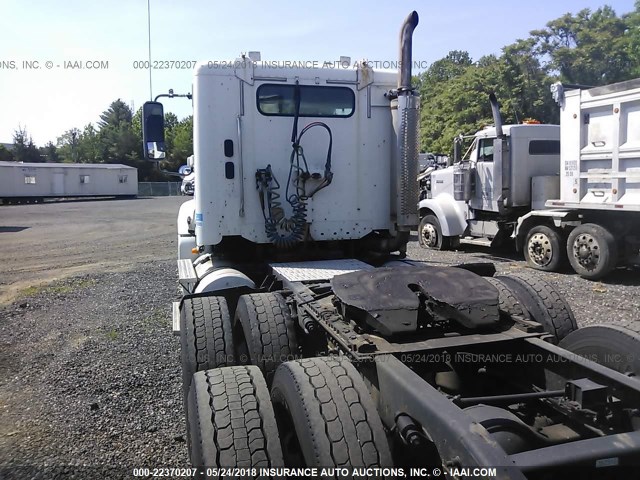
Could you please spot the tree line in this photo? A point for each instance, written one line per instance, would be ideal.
(589, 48)
(115, 138)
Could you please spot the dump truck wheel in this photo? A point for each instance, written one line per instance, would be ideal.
(430, 234)
(544, 303)
(326, 416)
(264, 332)
(231, 420)
(544, 249)
(613, 346)
(592, 251)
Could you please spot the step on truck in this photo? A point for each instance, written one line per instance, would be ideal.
(595, 220)
(311, 345)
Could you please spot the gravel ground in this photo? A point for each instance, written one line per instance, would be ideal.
(91, 376)
(89, 370)
(614, 299)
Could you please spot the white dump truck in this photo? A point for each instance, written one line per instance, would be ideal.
(595, 219)
(309, 341)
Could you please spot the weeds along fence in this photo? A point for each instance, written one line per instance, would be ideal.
(158, 189)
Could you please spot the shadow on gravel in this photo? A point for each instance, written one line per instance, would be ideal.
(623, 276)
(89, 199)
(12, 229)
(506, 253)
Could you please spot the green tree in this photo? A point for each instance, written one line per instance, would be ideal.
(5, 154)
(118, 141)
(632, 35)
(68, 144)
(183, 140)
(24, 149)
(589, 48)
(118, 113)
(524, 88)
(90, 147)
(49, 153)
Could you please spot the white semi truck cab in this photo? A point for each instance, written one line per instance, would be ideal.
(507, 171)
(306, 342)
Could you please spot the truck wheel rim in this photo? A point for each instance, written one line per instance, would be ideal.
(429, 235)
(540, 250)
(586, 251)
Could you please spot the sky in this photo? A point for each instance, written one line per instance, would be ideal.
(46, 48)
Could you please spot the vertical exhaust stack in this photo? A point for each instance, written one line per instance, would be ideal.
(497, 118)
(501, 155)
(405, 111)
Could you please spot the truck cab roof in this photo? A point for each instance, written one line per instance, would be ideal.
(490, 131)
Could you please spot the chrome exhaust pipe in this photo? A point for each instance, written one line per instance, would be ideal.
(497, 118)
(405, 110)
(501, 153)
(406, 41)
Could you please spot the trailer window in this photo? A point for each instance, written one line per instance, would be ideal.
(30, 179)
(544, 147)
(122, 178)
(315, 101)
(85, 179)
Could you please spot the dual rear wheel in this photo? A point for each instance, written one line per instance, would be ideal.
(591, 250)
(241, 415)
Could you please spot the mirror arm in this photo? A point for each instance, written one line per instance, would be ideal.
(167, 172)
(173, 95)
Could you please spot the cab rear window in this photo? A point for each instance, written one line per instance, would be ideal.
(315, 101)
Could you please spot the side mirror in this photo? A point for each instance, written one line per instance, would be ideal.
(457, 149)
(185, 170)
(153, 131)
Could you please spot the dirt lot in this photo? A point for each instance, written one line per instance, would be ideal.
(89, 371)
(43, 242)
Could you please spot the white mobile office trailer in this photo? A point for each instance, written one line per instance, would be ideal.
(32, 182)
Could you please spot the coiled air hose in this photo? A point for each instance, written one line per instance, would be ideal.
(286, 232)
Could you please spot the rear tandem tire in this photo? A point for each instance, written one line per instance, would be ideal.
(613, 346)
(205, 337)
(205, 341)
(544, 303)
(507, 302)
(326, 415)
(231, 420)
(264, 332)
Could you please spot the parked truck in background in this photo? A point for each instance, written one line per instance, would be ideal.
(309, 340)
(562, 192)
(595, 220)
(507, 171)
